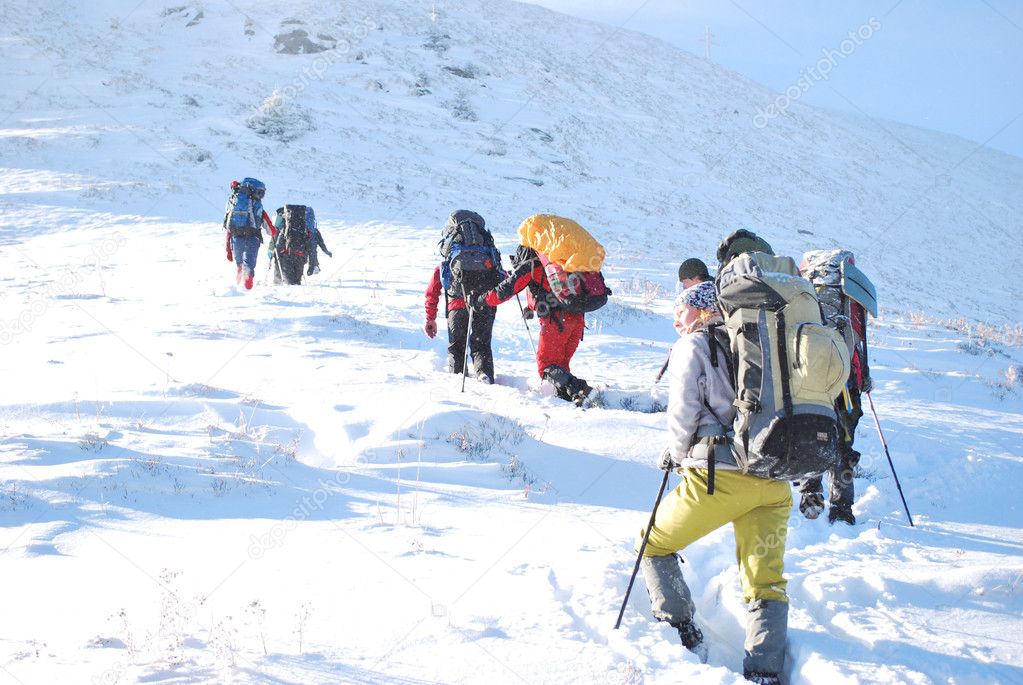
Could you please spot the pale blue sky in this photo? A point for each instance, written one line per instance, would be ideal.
(949, 65)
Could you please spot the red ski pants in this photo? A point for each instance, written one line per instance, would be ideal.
(558, 344)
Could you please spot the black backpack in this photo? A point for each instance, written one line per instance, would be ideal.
(294, 238)
(471, 263)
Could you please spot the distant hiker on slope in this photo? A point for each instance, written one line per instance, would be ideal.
(841, 287)
(558, 296)
(291, 239)
(243, 222)
(470, 265)
(317, 241)
(700, 414)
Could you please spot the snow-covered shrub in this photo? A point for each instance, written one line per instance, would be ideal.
(193, 154)
(461, 108)
(280, 119)
(479, 440)
(469, 71)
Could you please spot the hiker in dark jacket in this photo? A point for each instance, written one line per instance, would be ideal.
(849, 406)
(289, 254)
(700, 414)
(317, 242)
(458, 314)
(560, 331)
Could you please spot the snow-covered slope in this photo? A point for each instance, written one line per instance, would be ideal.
(203, 484)
(507, 108)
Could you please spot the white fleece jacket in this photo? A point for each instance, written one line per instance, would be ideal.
(693, 379)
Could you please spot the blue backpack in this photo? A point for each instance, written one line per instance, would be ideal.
(245, 209)
(471, 263)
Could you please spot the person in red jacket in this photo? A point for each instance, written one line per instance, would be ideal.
(464, 285)
(243, 220)
(560, 331)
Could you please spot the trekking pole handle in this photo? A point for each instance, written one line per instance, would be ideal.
(642, 547)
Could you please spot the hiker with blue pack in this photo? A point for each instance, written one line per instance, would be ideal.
(470, 265)
(243, 222)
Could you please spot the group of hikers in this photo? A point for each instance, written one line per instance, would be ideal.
(294, 236)
(558, 294)
(765, 383)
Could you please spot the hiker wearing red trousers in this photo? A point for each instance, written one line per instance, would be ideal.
(560, 330)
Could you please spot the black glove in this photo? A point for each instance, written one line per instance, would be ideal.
(478, 301)
(528, 314)
(329, 254)
(867, 385)
(666, 462)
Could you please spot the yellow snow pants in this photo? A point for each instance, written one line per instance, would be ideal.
(757, 508)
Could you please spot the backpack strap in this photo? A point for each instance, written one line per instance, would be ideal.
(711, 462)
(714, 344)
(786, 389)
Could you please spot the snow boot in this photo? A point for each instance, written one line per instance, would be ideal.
(840, 513)
(692, 639)
(561, 380)
(581, 392)
(484, 378)
(762, 678)
(248, 279)
(811, 504)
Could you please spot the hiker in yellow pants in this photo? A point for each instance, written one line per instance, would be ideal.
(713, 493)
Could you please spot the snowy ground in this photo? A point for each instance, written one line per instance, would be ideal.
(203, 484)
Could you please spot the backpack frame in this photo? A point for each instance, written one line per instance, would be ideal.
(470, 263)
(790, 367)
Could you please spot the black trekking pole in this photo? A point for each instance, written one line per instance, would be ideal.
(887, 454)
(526, 323)
(664, 367)
(642, 547)
(468, 333)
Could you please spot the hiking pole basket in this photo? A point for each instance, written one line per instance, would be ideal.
(642, 547)
(890, 464)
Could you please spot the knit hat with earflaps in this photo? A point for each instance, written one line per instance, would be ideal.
(739, 242)
(700, 296)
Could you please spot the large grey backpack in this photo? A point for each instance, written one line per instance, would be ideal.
(790, 367)
(839, 283)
